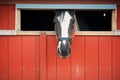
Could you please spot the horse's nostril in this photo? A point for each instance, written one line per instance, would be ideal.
(64, 53)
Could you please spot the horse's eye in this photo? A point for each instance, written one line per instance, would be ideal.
(72, 20)
(55, 20)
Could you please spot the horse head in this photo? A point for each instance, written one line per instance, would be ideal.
(64, 25)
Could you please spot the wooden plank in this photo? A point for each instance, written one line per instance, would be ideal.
(15, 63)
(63, 68)
(3, 58)
(28, 47)
(78, 58)
(76, 33)
(95, 33)
(118, 18)
(37, 49)
(105, 68)
(116, 57)
(114, 20)
(4, 17)
(18, 20)
(91, 57)
(43, 57)
(51, 57)
(11, 17)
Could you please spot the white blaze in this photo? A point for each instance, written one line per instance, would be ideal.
(65, 22)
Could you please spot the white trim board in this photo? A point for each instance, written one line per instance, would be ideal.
(8, 32)
(66, 6)
(117, 32)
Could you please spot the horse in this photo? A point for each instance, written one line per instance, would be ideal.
(64, 26)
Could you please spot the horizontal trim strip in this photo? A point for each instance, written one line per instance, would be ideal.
(77, 33)
(7, 32)
(66, 6)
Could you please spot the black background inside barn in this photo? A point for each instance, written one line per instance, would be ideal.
(93, 20)
(37, 20)
(42, 20)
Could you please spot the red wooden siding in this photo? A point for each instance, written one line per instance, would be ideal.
(4, 71)
(15, 57)
(91, 52)
(11, 11)
(78, 59)
(51, 58)
(28, 55)
(105, 64)
(7, 17)
(3, 17)
(43, 55)
(36, 58)
(116, 58)
(118, 17)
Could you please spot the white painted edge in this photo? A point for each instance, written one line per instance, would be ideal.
(8, 32)
(117, 32)
(66, 6)
(14, 32)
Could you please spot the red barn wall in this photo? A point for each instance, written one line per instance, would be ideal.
(35, 57)
(7, 17)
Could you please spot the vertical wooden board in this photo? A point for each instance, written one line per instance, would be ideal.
(105, 58)
(91, 57)
(118, 17)
(3, 58)
(43, 57)
(15, 65)
(116, 57)
(63, 68)
(37, 49)
(51, 57)
(77, 58)
(11, 20)
(28, 47)
(3, 17)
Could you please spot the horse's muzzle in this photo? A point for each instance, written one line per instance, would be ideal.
(64, 51)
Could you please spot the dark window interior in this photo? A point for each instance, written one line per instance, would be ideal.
(42, 20)
(37, 20)
(94, 20)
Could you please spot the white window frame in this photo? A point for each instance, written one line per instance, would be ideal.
(20, 7)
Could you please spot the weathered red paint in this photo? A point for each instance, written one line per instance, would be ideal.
(43, 54)
(7, 17)
(51, 58)
(15, 50)
(4, 58)
(91, 62)
(3, 17)
(36, 58)
(28, 57)
(11, 12)
(116, 58)
(105, 56)
(78, 58)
